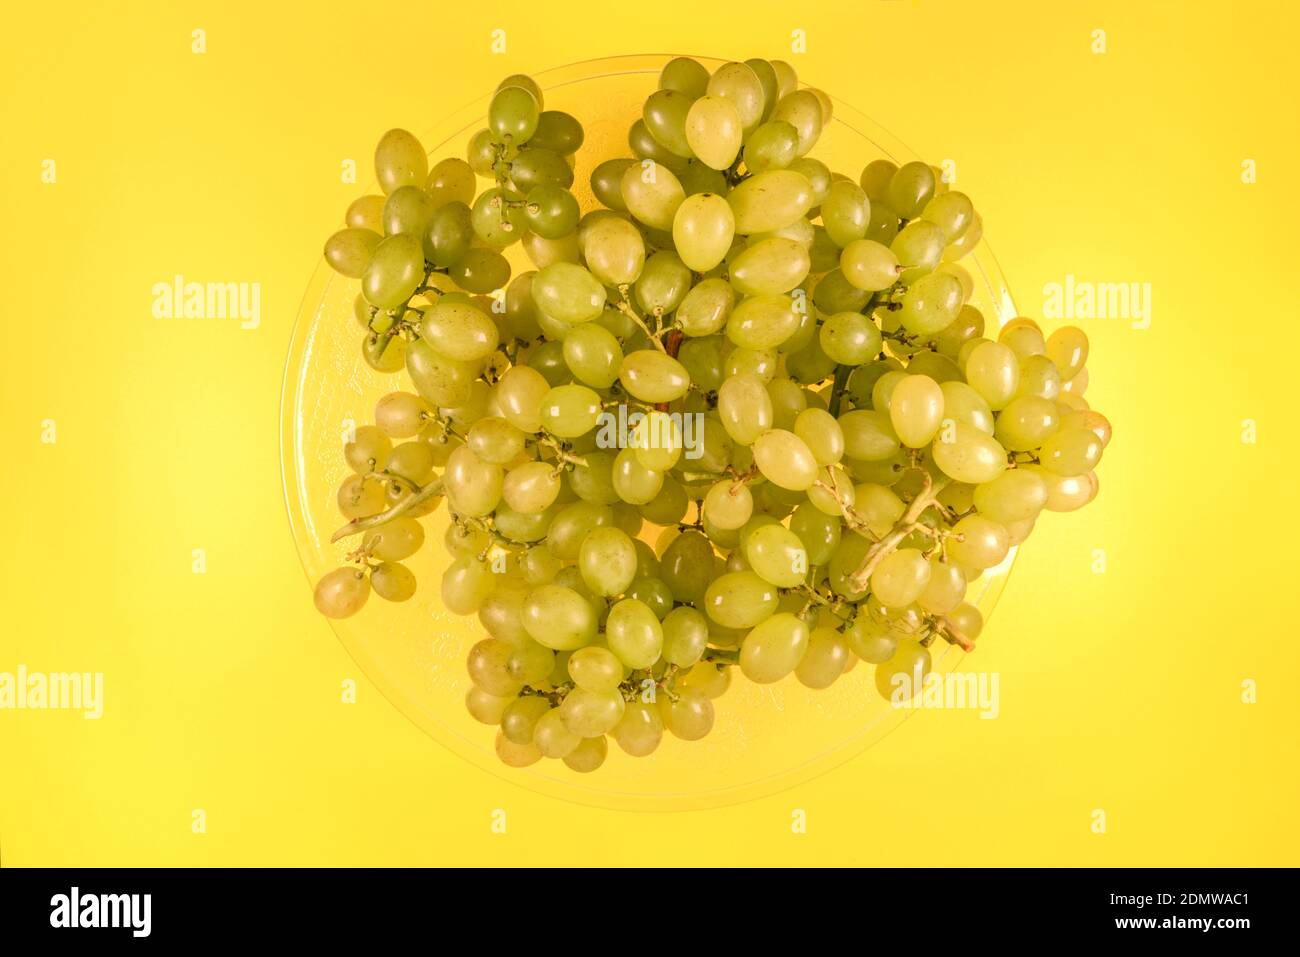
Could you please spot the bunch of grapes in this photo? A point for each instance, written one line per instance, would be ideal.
(767, 369)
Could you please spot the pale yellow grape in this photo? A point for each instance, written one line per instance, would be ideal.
(1088, 419)
(931, 304)
(1023, 340)
(686, 635)
(394, 272)
(1071, 451)
(967, 241)
(742, 361)
(963, 404)
(593, 354)
(1067, 347)
(441, 381)
(883, 391)
(822, 434)
(744, 407)
(705, 309)
(658, 441)
(413, 461)
(769, 266)
(787, 81)
(588, 756)
(664, 115)
(654, 376)
(397, 539)
(689, 717)
(552, 737)
(595, 668)
(513, 114)
(407, 210)
(945, 589)
(785, 460)
(487, 664)
(572, 524)
(902, 677)
(367, 212)
(845, 212)
(739, 599)
(729, 504)
(952, 212)
(714, 131)
(685, 75)
(663, 283)
(1014, 496)
(634, 482)
(708, 679)
(634, 633)
(400, 415)
(1065, 493)
(1039, 376)
(916, 410)
(613, 250)
(342, 592)
(900, 578)
(519, 720)
(531, 487)
(977, 542)
(827, 657)
(368, 449)
(1026, 423)
(640, 729)
(868, 435)
(1076, 387)
(993, 371)
(771, 146)
(919, 248)
(652, 193)
(739, 85)
(762, 322)
(967, 618)
(558, 617)
(400, 160)
(870, 640)
(777, 555)
(349, 251)
(770, 200)
(802, 110)
(703, 229)
(590, 713)
(968, 455)
(834, 493)
(459, 331)
(910, 189)
(569, 411)
(607, 560)
(472, 485)
(818, 174)
(486, 708)
(520, 392)
(466, 584)
(516, 755)
(774, 648)
(568, 292)
(359, 496)
(788, 400)
(450, 180)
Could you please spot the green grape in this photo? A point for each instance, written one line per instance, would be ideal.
(657, 440)
(738, 84)
(968, 325)
(993, 371)
(903, 676)
(653, 376)
(686, 567)
(652, 193)
(662, 284)
(1014, 496)
(900, 578)
(516, 755)
(967, 618)
(646, 147)
(568, 293)
(450, 180)
(441, 381)
(703, 228)
(538, 167)
(967, 241)
(593, 480)
(931, 304)
(762, 322)
(849, 338)
(640, 729)
(846, 211)
(952, 212)
(963, 404)
(342, 592)
(739, 599)
(774, 648)
(366, 212)
(1067, 347)
(593, 354)
(472, 485)
(1065, 493)
(407, 211)
(634, 482)
(400, 415)
(769, 266)
(876, 177)
(868, 435)
(825, 660)
(834, 293)
(519, 720)
(821, 433)
(770, 200)
(689, 717)
(817, 173)
(591, 713)
(699, 178)
(757, 362)
(368, 449)
(1023, 339)
(1026, 423)
(607, 182)
(569, 411)
(359, 496)
(607, 560)
(613, 250)
(818, 532)
(530, 488)
(823, 254)
(552, 737)
(588, 756)
(513, 115)
(466, 584)
(945, 589)
(595, 668)
(349, 251)
(1071, 452)
(634, 633)
(519, 395)
(785, 460)
(448, 234)
(397, 539)
(916, 410)
(883, 391)
(480, 271)
(522, 527)
(777, 555)
(412, 461)
(1039, 376)
(772, 145)
(910, 189)
(939, 368)
(1088, 419)
(664, 115)
(393, 273)
(400, 160)
(802, 110)
(871, 641)
(459, 331)
(482, 154)
(571, 526)
(558, 617)
(486, 708)
(977, 542)
(713, 131)
(557, 131)
(883, 227)
(550, 211)
(919, 248)
(488, 664)
(539, 566)
(968, 455)
(684, 75)
(524, 81)
(686, 635)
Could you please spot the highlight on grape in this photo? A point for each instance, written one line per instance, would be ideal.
(832, 445)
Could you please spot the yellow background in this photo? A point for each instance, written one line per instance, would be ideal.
(1121, 690)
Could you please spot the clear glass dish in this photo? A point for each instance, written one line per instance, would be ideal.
(767, 737)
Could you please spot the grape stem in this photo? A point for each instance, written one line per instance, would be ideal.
(860, 580)
(953, 634)
(625, 306)
(358, 525)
